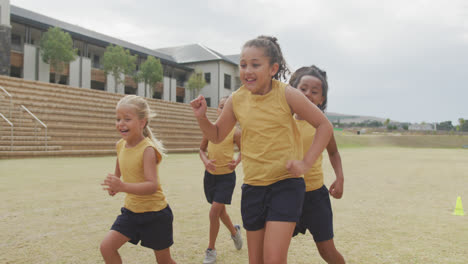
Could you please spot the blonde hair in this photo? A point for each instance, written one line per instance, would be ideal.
(143, 111)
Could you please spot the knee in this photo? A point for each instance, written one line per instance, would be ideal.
(106, 248)
(328, 254)
(216, 211)
(273, 260)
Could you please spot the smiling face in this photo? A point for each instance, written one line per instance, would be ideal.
(255, 70)
(128, 124)
(311, 87)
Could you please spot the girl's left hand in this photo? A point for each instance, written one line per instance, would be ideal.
(113, 183)
(336, 189)
(232, 164)
(296, 167)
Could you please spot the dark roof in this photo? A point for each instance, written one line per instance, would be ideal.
(195, 53)
(235, 58)
(28, 17)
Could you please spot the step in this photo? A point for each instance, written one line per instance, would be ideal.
(29, 148)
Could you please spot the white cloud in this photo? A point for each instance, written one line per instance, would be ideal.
(405, 60)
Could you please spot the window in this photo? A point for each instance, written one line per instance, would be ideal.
(157, 95)
(96, 63)
(208, 101)
(179, 99)
(227, 81)
(208, 77)
(130, 90)
(15, 39)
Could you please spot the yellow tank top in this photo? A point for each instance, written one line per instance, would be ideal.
(269, 134)
(222, 153)
(314, 177)
(131, 169)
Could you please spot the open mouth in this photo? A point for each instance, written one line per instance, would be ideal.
(250, 80)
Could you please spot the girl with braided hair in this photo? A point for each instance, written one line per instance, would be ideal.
(272, 154)
(317, 214)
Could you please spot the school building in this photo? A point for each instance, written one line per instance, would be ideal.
(21, 31)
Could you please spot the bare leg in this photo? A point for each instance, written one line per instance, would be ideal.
(227, 221)
(329, 252)
(255, 246)
(215, 213)
(164, 256)
(277, 239)
(110, 246)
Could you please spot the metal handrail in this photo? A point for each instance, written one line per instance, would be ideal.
(38, 120)
(11, 129)
(11, 102)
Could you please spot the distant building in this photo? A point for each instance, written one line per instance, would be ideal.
(221, 72)
(422, 127)
(21, 31)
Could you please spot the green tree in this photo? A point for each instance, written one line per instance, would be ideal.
(117, 61)
(195, 83)
(151, 72)
(387, 121)
(57, 50)
(446, 126)
(461, 121)
(463, 125)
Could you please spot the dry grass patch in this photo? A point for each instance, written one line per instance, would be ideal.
(397, 208)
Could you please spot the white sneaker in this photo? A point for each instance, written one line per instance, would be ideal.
(237, 238)
(210, 256)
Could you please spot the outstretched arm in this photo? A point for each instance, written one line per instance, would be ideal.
(218, 131)
(311, 113)
(336, 189)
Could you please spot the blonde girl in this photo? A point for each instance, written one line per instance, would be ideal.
(146, 215)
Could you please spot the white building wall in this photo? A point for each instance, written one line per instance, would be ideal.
(5, 12)
(141, 90)
(215, 89)
(110, 86)
(29, 62)
(173, 89)
(211, 89)
(44, 69)
(166, 88)
(74, 74)
(86, 72)
(232, 70)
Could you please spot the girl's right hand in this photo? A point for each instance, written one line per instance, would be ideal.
(199, 106)
(210, 166)
(296, 167)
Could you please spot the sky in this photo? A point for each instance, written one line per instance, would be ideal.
(403, 60)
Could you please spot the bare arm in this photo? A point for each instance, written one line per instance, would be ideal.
(209, 164)
(149, 186)
(237, 140)
(336, 189)
(218, 131)
(311, 113)
(117, 169)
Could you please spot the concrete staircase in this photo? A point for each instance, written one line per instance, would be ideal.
(81, 122)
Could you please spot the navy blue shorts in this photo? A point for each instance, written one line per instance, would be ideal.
(154, 229)
(317, 215)
(280, 201)
(219, 188)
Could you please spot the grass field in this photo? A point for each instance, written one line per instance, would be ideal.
(397, 208)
